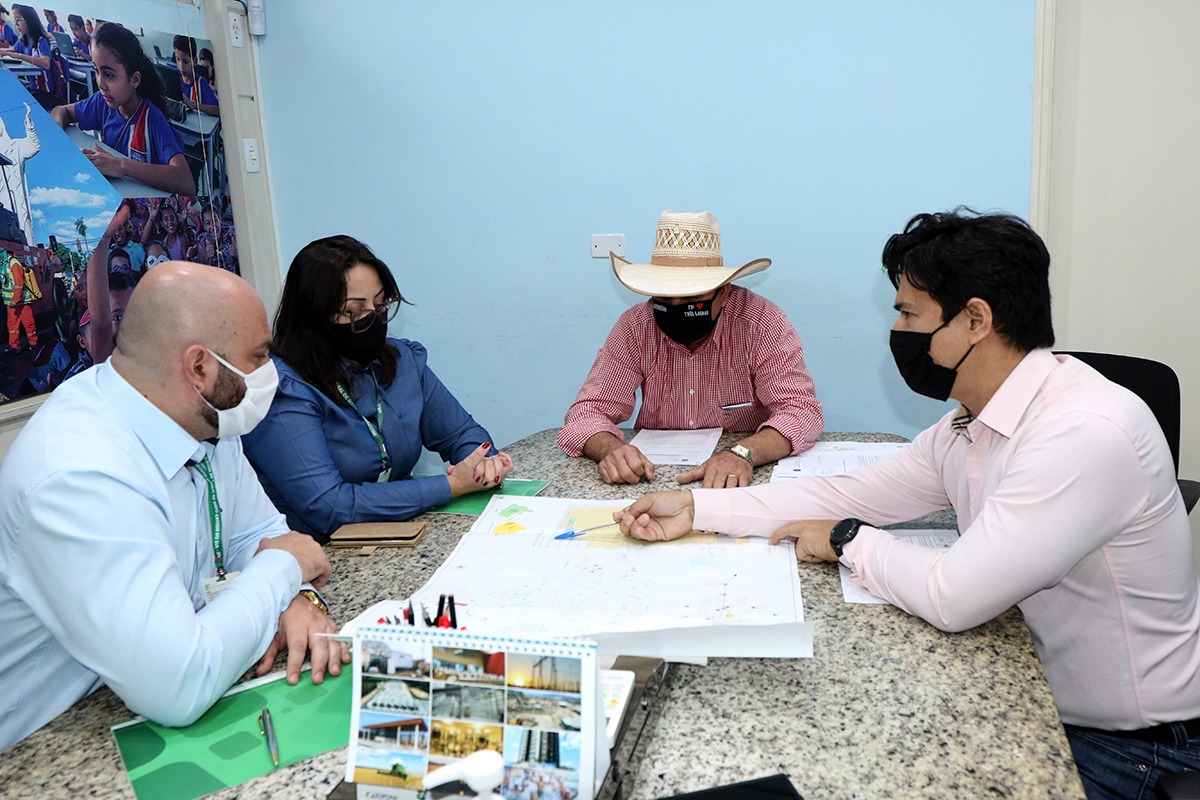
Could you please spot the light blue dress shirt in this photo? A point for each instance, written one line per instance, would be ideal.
(104, 543)
(320, 465)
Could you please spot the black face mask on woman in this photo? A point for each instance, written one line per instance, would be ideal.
(910, 349)
(363, 347)
(687, 322)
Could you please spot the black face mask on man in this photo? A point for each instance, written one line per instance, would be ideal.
(685, 323)
(362, 347)
(910, 349)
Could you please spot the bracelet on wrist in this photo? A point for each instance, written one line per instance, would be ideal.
(311, 596)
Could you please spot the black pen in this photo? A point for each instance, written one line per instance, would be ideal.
(268, 730)
(453, 616)
(425, 614)
(733, 406)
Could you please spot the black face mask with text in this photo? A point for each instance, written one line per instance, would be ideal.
(685, 323)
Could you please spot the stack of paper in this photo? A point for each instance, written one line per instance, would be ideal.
(700, 595)
(833, 458)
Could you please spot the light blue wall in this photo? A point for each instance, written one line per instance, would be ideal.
(477, 145)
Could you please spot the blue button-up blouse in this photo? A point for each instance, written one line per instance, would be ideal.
(319, 463)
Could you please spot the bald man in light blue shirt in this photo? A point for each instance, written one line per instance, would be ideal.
(108, 552)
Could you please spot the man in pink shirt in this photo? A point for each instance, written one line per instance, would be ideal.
(704, 354)
(1064, 489)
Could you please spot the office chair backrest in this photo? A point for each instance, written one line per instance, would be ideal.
(1154, 382)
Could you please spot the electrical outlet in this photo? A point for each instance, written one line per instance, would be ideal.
(236, 29)
(604, 243)
(250, 151)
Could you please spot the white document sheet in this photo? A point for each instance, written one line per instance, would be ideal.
(509, 574)
(690, 448)
(833, 458)
(854, 592)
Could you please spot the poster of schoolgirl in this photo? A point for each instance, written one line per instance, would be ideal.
(112, 162)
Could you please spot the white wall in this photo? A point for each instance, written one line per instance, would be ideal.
(1119, 186)
(476, 146)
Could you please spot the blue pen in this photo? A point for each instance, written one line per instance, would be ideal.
(268, 730)
(571, 534)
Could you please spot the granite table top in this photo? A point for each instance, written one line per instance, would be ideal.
(887, 707)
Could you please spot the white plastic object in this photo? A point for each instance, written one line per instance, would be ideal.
(257, 17)
(482, 772)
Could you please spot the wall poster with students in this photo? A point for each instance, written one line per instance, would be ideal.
(112, 162)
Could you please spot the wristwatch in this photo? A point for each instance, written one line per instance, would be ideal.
(744, 452)
(311, 596)
(843, 533)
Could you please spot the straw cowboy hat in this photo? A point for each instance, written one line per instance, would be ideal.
(686, 259)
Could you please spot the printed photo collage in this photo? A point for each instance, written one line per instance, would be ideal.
(121, 179)
(424, 706)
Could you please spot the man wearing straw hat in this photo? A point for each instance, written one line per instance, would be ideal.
(705, 354)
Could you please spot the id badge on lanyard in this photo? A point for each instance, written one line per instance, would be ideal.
(374, 428)
(222, 580)
(215, 585)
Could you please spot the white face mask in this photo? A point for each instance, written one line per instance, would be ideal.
(260, 391)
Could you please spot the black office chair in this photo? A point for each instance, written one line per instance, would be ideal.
(1158, 386)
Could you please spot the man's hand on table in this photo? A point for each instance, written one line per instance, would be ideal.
(300, 626)
(314, 564)
(657, 517)
(728, 470)
(625, 464)
(617, 461)
(811, 537)
(723, 470)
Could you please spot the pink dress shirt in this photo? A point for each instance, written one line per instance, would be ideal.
(752, 356)
(1067, 504)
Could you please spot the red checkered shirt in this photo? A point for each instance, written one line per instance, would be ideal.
(752, 356)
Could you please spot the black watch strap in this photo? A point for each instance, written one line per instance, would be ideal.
(843, 533)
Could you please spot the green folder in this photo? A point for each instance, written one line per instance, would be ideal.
(476, 502)
(225, 746)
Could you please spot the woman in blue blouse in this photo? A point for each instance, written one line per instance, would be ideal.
(354, 408)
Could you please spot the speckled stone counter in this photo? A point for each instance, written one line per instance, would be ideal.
(888, 707)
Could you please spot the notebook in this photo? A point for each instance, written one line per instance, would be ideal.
(378, 534)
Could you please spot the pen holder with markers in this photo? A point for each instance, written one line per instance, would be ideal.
(425, 697)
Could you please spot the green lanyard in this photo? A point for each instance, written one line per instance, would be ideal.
(374, 428)
(214, 516)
